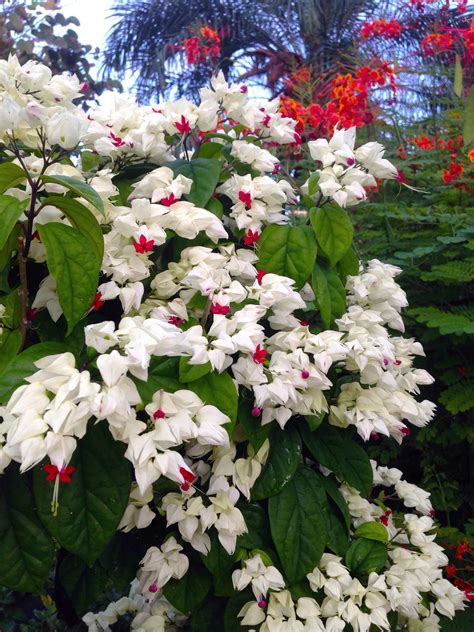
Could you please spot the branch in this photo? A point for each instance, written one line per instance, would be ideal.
(23, 293)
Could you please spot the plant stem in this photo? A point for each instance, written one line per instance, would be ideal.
(23, 294)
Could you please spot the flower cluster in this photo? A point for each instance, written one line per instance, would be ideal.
(203, 47)
(381, 28)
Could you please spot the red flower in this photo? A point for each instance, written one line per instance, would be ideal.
(64, 473)
(183, 126)
(97, 302)
(251, 237)
(220, 309)
(259, 355)
(116, 140)
(466, 587)
(168, 201)
(174, 320)
(401, 177)
(143, 244)
(455, 171)
(405, 431)
(246, 199)
(384, 517)
(188, 476)
(451, 570)
(260, 275)
(462, 548)
(31, 313)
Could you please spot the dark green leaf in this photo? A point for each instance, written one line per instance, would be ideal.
(79, 188)
(298, 523)
(189, 591)
(10, 175)
(314, 421)
(219, 390)
(82, 219)
(220, 564)
(330, 293)
(10, 342)
(281, 464)
(191, 372)
(258, 527)
(333, 229)
(372, 531)
(335, 495)
(73, 263)
(232, 609)
(10, 211)
(366, 556)
(333, 449)
(348, 265)
(208, 617)
(255, 432)
(26, 550)
(91, 506)
(22, 365)
(287, 250)
(83, 584)
(204, 172)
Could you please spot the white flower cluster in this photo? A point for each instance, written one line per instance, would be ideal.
(346, 172)
(214, 309)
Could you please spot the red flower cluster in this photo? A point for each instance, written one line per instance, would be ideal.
(453, 173)
(381, 28)
(203, 47)
(348, 102)
(436, 43)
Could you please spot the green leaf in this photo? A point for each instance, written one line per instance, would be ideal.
(337, 498)
(89, 160)
(82, 219)
(10, 211)
(10, 342)
(281, 464)
(372, 531)
(366, 556)
(232, 623)
(255, 432)
(330, 293)
(92, 504)
(26, 549)
(219, 390)
(22, 365)
(220, 564)
(72, 261)
(10, 175)
(208, 616)
(204, 172)
(468, 130)
(457, 87)
(79, 188)
(83, 584)
(333, 449)
(298, 524)
(191, 372)
(333, 229)
(162, 374)
(6, 253)
(314, 421)
(209, 150)
(257, 536)
(348, 265)
(189, 591)
(287, 250)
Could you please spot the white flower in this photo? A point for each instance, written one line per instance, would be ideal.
(262, 578)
